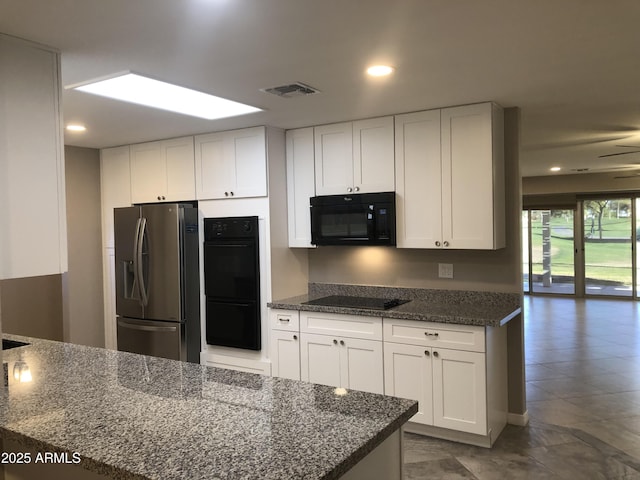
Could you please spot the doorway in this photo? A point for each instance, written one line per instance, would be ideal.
(549, 251)
(608, 247)
(589, 250)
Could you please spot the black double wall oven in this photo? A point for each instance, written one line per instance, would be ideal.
(232, 282)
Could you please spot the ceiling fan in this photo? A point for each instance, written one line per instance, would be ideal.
(622, 153)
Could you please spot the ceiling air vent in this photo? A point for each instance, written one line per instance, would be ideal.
(296, 89)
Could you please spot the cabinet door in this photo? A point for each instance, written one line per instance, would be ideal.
(407, 374)
(32, 196)
(285, 354)
(115, 184)
(418, 180)
(319, 359)
(468, 173)
(248, 162)
(334, 158)
(361, 365)
(213, 170)
(148, 173)
(300, 185)
(373, 155)
(180, 170)
(231, 164)
(459, 390)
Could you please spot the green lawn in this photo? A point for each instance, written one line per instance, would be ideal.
(604, 261)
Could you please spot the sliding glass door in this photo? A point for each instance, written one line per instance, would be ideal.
(608, 247)
(548, 251)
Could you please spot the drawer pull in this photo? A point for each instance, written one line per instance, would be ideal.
(285, 320)
(335, 342)
(426, 352)
(341, 342)
(430, 334)
(435, 354)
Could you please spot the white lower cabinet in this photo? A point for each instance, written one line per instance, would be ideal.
(351, 363)
(408, 373)
(449, 385)
(285, 343)
(285, 354)
(457, 373)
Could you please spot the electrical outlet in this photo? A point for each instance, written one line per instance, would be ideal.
(445, 270)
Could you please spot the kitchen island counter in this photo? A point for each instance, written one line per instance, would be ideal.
(128, 416)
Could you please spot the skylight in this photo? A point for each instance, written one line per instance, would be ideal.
(133, 88)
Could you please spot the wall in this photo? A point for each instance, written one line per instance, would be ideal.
(83, 322)
(32, 306)
(579, 183)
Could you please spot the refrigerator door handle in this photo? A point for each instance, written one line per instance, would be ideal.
(146, 328)
(135, 290)
(142, 231)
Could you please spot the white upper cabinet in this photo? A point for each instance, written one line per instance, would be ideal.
(32, 183)
(115, 187)
(300, 185)
(162, 171)
(473, 201)
(418, 180)
(334, 158)
(450, 178)
(231, 164)
(354, 157)
(373, 155)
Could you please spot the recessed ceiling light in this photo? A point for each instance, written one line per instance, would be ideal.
(555, 169)
(133, 88)
(380, 70)
(76, 128)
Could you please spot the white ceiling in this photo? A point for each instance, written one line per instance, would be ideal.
(572, 66)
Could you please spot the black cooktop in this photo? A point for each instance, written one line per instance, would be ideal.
(368, 303)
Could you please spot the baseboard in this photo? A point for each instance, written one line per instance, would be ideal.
(519, 419)
(455, 436)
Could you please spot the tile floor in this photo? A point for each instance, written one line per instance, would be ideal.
(583, 398)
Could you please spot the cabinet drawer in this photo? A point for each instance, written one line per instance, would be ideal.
(354, 326)
(285, 319)
(456, 337)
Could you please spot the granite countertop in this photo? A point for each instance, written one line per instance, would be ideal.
(136, 417)
(484, 309)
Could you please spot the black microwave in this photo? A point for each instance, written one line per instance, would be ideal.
(358, 219)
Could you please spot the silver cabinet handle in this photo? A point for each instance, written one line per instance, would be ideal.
(437, 243)
(349, 189)
(357, 189)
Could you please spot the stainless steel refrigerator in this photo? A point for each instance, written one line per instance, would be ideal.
(158, 281)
